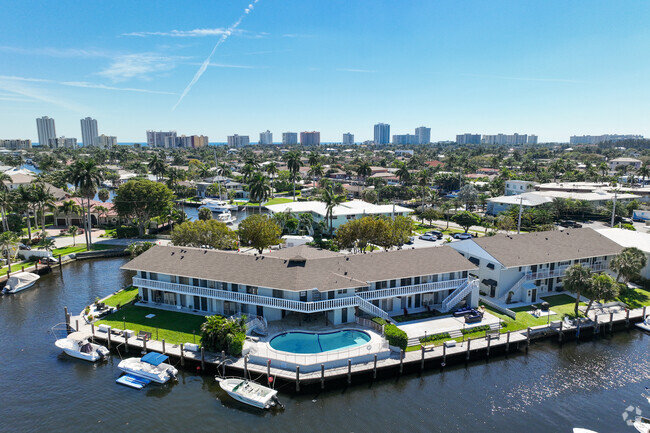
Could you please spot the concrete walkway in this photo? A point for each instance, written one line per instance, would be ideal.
(437, 325)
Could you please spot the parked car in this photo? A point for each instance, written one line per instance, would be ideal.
(570, 224)
(462, 236)
(435, 233)
(22, 246)
(411, 240)
(428, 237)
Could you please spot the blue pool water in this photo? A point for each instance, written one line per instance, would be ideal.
(306, 342)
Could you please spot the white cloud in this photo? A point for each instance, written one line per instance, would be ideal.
(82, 84)
(538, 79)
(57, 52)
(196, 33)
(141, 66)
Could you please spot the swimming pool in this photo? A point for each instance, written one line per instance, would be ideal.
(308, 342)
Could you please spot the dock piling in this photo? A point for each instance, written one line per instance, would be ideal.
(527, 338)
(76, 322)
(444, 355)
(182, 356)
(422, 360)
(92, 331)
(488, 348)
(627, 318)
(144, 345)
(223, 363)
(202, 358)
(109, 338)
(246, 366)
(469, 341)
(163, 342)
(401, 361)
(560, 333)
(126, 343)
(374, 368)
(508, 342)
(297, 378)
(322, 376)
(268, 370)
(611, 322)
(349, 371)
(67, 320)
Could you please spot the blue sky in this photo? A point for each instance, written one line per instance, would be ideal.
(551, 68)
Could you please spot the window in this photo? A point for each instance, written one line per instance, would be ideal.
(278, 294)
(251, 290)
(464, 274)
(153, 276)
(405, 282)
(393, 283)
(173, 278)
(184, 280)
(234, 287)
(195, 282)
(475, 261)
(303, 296)
(416, 280)
(203, 283)
(341, 292)
(491, 266)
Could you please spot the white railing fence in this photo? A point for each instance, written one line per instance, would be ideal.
(414, 289)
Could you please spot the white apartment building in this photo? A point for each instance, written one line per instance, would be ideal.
(16, 144)
(515, 187)
(166, 139)
(266, 137)
(238, 140)
(63, 142)
(89, 132)
(423, 135)
(106, 141)
(348, 138)
(289, 138)
(46, 130)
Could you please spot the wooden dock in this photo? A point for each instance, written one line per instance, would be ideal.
(427, 358)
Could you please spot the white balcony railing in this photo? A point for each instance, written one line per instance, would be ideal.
(558, 272)
(371, 309)
(246, 298)
(414, 289)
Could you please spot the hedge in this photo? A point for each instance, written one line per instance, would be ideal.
(435, 337)
(236, 346)
(395, 336)
(126, 232)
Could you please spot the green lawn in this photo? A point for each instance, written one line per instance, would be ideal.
(122, 297)
(15, 267)
(173, 327)
(635, 298)
(277, 200)
(64, 251)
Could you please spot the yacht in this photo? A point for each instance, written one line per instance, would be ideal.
(152, 366)
(249, 392)
(226, 217)
(20, 281)
(77, 345)
(218, 206)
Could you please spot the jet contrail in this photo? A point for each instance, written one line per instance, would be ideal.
(206, 63)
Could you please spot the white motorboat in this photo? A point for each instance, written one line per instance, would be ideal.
(77, 345)
(152, 366)
(20, 281)
(642, 424)
(582, 430)
(249, 392)
(226, 217)
(218, 206)
(645, 325)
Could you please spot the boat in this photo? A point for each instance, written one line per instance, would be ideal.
(642, 424)
(218, 206)
(151, 366)
(78, 346)
(226, 218)
(582, 430)
(249, 392)
(20, 281)
(133, 381)
(645, 325)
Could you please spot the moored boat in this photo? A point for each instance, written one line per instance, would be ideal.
(226, 218)
(642, 424)
(152, 366)
(78, 346)
(218, 206)
(20, 281)
(645, 325)
(249, 392)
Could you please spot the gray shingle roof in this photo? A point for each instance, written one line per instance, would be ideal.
(299, 268)
(546, 247)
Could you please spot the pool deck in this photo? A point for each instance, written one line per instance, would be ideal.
(438, 325)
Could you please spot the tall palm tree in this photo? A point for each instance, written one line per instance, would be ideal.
(313, 158)
(446, 207)
(44, 199)
(577, 280)
(424, 178)
(86, 176)
(8, 240)
(363, 171)
(628, 263)
(316, 171)
(157, 166)
(259, 189)
(603, 168)
(643, 171)
(27, 204)
(403, 174)
(272, 170)
(68, 208)
(331, 200)
(7, 200)
(293, 164)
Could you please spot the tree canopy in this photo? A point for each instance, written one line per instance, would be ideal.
(204, 234)
(143, 200)
(466, 219)
(259, 231)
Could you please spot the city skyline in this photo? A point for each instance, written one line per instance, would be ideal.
(466, 69)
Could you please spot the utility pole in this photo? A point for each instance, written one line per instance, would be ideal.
(521, 208)
(614, 208)
(216, 171)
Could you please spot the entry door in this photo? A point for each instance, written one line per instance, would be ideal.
(260, 310)
(533, 297)
(493, 291)
(344, 315)
(550, 284)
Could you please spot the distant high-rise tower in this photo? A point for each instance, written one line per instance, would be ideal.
(423, 135)
(348, 138)
(89, 132)
(46, 130)
(382, 133)
(166, 139)
(289, 138)
(266, 137)
(238, 140)
(310, 138)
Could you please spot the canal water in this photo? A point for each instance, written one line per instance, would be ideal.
(552, 389)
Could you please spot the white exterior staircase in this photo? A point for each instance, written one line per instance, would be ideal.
(370, 308)
(457, 295)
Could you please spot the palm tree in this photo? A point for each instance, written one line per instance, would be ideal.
(27, 203)
(8, 240)
(363, 171)
(44, 199)
(446, 207)
(272, 170)
(316, 171)
(248, 171)
(259, 189)
(306, 221)
(628, 263)
(73, 230)
(157, 167)
(424, 178)
(293, 164)
(403, 174)
(68, 208)
(331, 200)
(86, 176)
(47, 244)
(577, 279)
(313, 159)
(7, 200)
(643, 171)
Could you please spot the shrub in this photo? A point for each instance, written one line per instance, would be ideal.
(379, 321)
(123, 232)
(236, 344)
(395, 336)
(476, 329)
(435, 337)
(219, 333)
(87, 310)
(628, 227)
